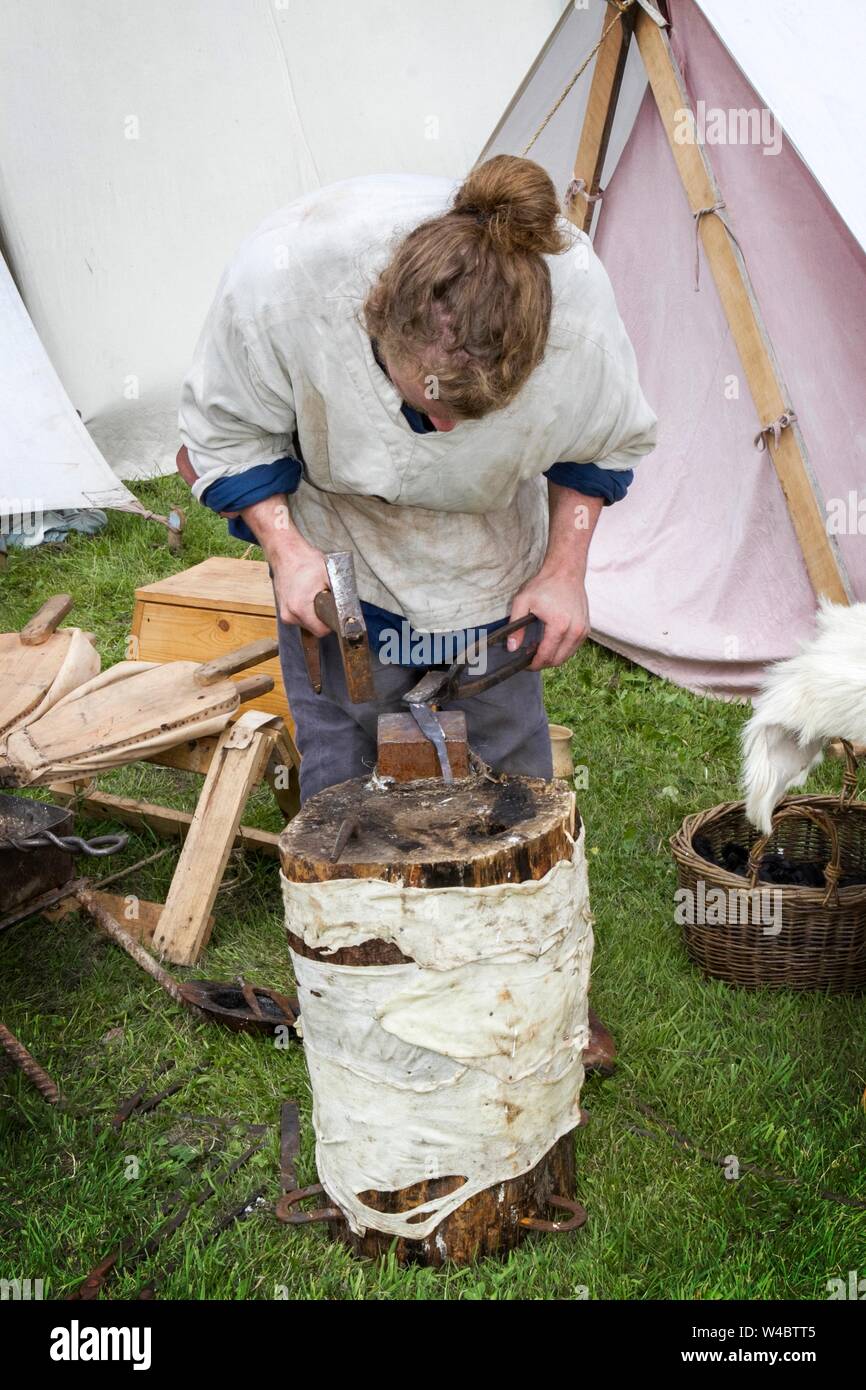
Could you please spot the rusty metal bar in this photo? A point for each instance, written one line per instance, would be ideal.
(35, 1074)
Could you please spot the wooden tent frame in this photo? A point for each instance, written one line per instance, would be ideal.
(787, 449)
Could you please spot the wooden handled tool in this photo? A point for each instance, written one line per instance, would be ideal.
(326, 612)
(339, 608)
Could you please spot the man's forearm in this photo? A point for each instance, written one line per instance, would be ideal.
(573, 519)
(271, 523)
(556, 594)
(298, 568)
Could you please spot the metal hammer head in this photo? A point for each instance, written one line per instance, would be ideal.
(340, 609)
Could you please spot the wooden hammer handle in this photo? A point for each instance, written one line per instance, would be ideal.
(326, 611)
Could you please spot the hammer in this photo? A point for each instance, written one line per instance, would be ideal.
(339, 608)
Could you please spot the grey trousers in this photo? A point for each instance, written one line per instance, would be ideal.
(507, 726)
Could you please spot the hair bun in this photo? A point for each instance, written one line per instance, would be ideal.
(515, 202)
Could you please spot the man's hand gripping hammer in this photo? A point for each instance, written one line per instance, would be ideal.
(339, 608)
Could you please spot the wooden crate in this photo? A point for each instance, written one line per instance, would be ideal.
(205, 611)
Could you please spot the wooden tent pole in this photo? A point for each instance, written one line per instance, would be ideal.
(799, 485)
(598, 117)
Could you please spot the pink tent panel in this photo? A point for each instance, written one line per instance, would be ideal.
(698, 574)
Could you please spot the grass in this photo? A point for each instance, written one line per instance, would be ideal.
(774, 1080)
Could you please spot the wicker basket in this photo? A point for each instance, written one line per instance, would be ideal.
(821, 943)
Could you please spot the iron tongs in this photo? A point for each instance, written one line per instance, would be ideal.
(446, 685)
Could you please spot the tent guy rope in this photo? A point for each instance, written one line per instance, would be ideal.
(622, 7)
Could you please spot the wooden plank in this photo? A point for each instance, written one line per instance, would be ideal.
(193, 756)
(165, 821)
(283, 755)
(170, 631)
(798, 482)
(237, 764)
(200, 633)
(285, 748)
(598, 117)
(134, 639)
(239, 586)
(196, 755)
(141, 925)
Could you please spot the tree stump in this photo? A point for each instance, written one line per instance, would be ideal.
(472, 833)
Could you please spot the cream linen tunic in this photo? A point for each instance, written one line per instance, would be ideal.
(444, 527)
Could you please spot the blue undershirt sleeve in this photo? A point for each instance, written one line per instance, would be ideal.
(240, 490)
(607, 483)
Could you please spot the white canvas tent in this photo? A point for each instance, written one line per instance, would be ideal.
(141, 143)
(167, 131)
(707, 572)
(46, 451)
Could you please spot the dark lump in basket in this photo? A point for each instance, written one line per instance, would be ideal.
(774, 866)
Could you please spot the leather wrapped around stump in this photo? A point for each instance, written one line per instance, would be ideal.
(443, 967)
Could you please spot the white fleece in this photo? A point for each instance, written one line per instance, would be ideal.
(805, 701)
